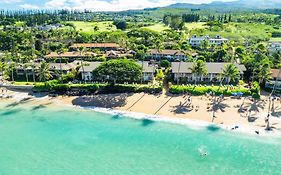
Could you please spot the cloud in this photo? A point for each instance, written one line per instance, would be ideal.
(29, 6)
(104, 5)
(56, 4)
(10, 1)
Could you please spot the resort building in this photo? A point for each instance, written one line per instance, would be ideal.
(99, 46)
(181, 72)
(71, 56)
(274, 47)
(87, 73)
(55, 68)
(148, 70)
(275, 79)
(64, 67)
(89, 67)
(195, 41)
(170, 55)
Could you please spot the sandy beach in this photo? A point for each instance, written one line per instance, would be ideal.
(246, 113)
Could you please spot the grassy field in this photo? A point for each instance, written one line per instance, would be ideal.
(157, 27)
(89, 26)
(240, 31)
(275, 39)
(195, 25)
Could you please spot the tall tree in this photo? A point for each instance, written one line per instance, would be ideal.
(198, 69)
(118, 71)
(231, 73)
(44, 72)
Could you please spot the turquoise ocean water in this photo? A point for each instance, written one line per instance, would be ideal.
(44, 141)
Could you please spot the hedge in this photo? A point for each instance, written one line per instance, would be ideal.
(202, 90)
(96, 88)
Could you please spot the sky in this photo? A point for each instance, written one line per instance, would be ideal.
(96, 5)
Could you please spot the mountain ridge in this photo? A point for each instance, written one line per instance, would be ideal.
(239, 4)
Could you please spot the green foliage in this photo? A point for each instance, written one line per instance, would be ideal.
(54, 85)
(174, 21)
(118, 71)
(159, 75)
(231, 72)
(255, 88)
(165, 64)
(122, 25)
(202, 90)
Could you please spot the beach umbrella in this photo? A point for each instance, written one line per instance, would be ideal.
(239, 93)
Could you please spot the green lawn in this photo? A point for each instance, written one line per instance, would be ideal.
(275, 39)
(157, 27)
(195, 25)
(89, 26)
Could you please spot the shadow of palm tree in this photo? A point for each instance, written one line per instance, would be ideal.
(104, 101)
(11, 112)
(256, 106)
(276, 112)
(182, 108)
(38, 107)
(217, 105)
(23, 101)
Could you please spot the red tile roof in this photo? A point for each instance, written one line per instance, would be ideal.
(95, 45)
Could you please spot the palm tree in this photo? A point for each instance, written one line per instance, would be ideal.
(81, 52)
(12, 67)
(271, 102)
(231, 73)
(33, 66)
(60, 51)
(3, 67)
(25, 68)
(44, 72)
(198, 69)
(262, 72)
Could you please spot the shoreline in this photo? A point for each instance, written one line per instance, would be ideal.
(191, 122)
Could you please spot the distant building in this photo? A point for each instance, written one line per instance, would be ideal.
(181, 71)
(100, 46)
(170, 55)
(195, 41)
(118, 54)
(274, 47)
(48, 27)
(275, 78)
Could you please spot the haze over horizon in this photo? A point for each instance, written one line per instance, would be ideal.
(95, 5)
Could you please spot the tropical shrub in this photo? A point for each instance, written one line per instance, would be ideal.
(201, 90)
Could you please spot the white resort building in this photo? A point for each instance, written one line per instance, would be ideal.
(181, 72)
(148, 70)
(195, 41)
(87, 70)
